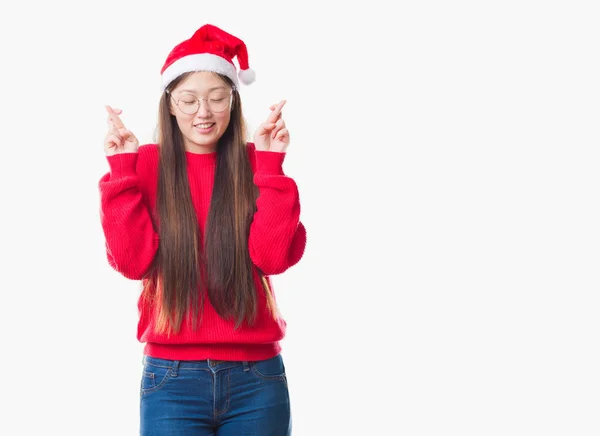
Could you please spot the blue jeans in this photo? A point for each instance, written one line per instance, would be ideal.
(218, 398)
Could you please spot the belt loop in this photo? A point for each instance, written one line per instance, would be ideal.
(246, 365)
(175, 368)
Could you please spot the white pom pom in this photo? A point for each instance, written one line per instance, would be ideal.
(247, 76)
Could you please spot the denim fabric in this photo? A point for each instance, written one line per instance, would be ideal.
(218, 398)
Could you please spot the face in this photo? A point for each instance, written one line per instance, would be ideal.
(203, 126)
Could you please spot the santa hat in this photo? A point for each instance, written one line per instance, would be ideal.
(209, 49)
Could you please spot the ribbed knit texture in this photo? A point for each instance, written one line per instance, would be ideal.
(277, 241)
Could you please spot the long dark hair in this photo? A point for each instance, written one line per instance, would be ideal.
(184, 271)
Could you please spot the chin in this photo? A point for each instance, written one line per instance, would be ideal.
(203, 142)
(206, 142)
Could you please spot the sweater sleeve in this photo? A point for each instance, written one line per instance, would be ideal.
(131, 240)
(277, 236)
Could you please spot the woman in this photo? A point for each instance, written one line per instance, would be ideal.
(203, 218)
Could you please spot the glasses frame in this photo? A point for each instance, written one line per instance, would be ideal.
(206, 103)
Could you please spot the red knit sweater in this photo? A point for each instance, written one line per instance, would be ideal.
(276, 242)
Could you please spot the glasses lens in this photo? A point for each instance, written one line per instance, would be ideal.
(218, 103)
(188, 104)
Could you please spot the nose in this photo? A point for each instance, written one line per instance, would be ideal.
(203, 108)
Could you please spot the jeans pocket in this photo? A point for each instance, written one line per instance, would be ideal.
(270, 369)
(153, 378)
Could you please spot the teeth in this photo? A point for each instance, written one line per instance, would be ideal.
(204, 126)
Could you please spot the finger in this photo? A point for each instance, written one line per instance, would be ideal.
(282, 135)
(277, 118)
(275, 112)
(113, 120)
(111, 124)
(280, 124)
(112, 128)
(114, 117)
(265, 129)
(127, 135)
(114, 140)
(114, 109)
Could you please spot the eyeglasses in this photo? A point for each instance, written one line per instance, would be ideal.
(217, 102)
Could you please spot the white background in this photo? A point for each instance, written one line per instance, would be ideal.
(447, 159)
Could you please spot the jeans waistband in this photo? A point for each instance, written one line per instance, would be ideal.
(193, 364)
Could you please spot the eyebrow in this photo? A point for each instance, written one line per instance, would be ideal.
(193, 91)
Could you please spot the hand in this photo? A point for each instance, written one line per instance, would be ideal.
(118, 139)
(272, 135)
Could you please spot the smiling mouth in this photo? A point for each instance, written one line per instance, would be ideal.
(204, 126)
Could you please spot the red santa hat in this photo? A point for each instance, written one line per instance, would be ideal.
(209, 49)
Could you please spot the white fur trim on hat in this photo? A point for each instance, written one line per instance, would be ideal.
(199, 62)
